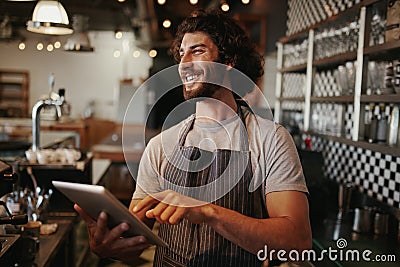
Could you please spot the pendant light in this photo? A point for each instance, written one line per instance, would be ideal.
(49, 17)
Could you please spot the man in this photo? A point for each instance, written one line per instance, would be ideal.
(208, 226)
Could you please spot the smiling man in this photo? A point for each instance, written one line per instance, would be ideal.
(224, 183)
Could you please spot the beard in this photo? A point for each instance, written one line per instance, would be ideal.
(203, 90)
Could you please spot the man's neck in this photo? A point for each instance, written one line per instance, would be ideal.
(221, 107)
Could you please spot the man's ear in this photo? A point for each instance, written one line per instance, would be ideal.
(230, 66)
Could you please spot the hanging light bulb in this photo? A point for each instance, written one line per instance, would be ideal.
(166, 23)
(21, 45)
(50, 47)
(136, 53)
(193, 2)
(57, 44)
(39, 46)
(117, 53)
(49, 17)
(161, 2)
(225, 7)
(153, 53)
(245, 2)
(118, 34)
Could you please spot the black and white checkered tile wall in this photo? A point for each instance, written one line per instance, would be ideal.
(376, 174)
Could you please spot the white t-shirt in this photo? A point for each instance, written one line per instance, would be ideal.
(275, 162)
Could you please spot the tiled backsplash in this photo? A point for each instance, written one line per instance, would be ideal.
(376, 174)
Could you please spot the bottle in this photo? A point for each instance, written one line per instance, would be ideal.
(393, 131)
(65, 107)
(367, 121)
(382, 124)
(374, 124)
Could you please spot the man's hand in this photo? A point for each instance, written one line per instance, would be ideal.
(169, 207)
(108, 243)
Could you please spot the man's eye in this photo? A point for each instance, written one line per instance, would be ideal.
(197, 51)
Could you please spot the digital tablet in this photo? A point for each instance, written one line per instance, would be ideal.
(94, 199)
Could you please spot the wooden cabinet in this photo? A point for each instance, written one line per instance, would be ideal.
(14, 93)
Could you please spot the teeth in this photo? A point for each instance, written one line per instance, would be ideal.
(191, 78)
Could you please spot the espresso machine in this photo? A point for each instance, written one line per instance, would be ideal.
(8, 241)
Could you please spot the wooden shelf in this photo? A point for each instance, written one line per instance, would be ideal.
(330, 62)
(297, 68)
(14, 93)
(381, 148)
(385, 51)
(292, 99)
(329, 20)
(336, 99)
(392, 98)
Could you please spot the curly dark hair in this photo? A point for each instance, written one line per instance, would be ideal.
(234, 46)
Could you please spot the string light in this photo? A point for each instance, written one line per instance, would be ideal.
(57, 44)
(21, 46)
(117, 53)
(225, 7)
(39, 46)
(152, 53)
(118, 34)
(193, 2)
(50, 47)
(136, 53)
(245, 2)
(166, 23)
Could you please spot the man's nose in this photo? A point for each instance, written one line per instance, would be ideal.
(185, 63)
(186, 58)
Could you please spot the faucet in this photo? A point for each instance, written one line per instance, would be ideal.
(36, 118)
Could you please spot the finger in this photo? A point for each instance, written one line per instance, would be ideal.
(102, 228)
(145, 203)
(130, 242)
(158, 210)
(177, 216)
(116, 232)
(89, 220)
(167, 213)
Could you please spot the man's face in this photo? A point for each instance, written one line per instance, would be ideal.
(196, 48)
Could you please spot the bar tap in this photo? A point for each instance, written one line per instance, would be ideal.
(36, 118)
(51, 101)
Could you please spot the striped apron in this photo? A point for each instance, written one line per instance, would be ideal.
(198, 244)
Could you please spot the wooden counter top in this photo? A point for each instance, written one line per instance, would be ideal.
(50, 245)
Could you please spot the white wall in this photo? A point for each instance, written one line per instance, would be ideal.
(85, 76)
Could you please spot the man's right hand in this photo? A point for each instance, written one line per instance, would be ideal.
(109, 243)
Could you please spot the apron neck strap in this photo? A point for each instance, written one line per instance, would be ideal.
(244, 140)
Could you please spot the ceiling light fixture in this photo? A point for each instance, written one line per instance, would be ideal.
(193, 2)
(49, 17)
(79, 41)
(161, 2)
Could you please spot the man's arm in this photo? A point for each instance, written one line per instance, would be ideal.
(287, 227)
